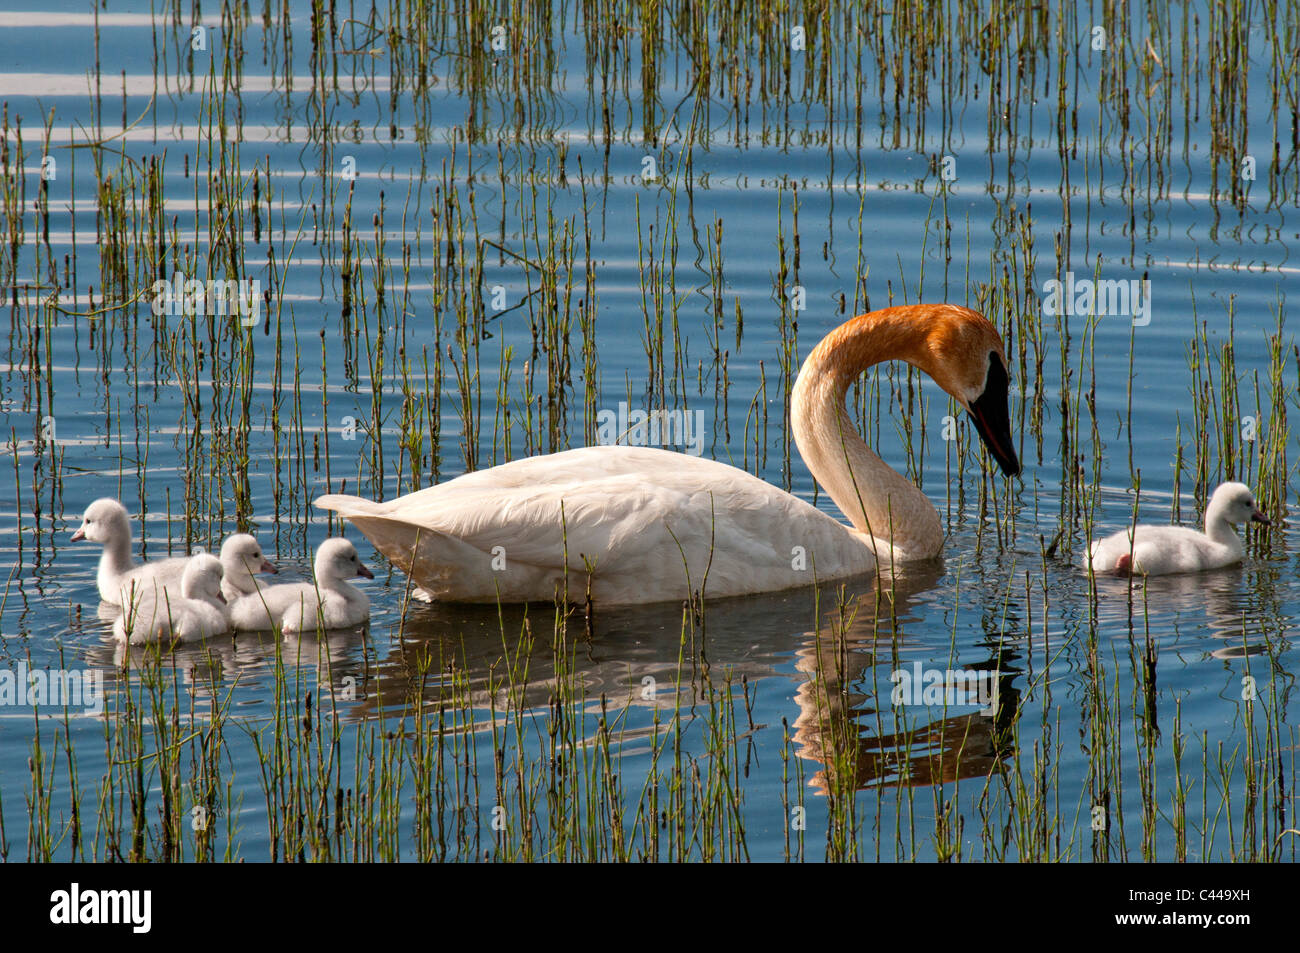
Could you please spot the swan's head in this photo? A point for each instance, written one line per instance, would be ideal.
(243, 550)
(104, 521)
(202, 578)
(338, 559)
(1235, 503)
(963, 352)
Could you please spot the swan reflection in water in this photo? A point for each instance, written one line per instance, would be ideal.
(859, 669)
(1220, 610)
(631, 661)
(487, 664)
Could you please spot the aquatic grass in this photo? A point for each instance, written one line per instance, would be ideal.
(406, 342)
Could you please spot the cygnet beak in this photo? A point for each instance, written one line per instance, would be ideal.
(365, 573)
(1258, 517)
(79, 534)
(268, 566)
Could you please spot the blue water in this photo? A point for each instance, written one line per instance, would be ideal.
(877, 223)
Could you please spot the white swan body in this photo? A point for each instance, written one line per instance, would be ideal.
(504, 530)
(1162, 550)
(199, 612)
(120, 579)
(643, 525)
(331, 602)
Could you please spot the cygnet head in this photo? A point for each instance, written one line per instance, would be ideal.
(244, 550)
(1235, 503)
(202, 578)
(104, 521)
(337, 559)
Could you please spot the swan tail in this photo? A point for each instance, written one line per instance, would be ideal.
(346, 505)
(440, 565)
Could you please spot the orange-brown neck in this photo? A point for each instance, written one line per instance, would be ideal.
(877, 499)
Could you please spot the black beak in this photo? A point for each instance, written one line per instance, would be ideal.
(993, 420)
(1258, 517)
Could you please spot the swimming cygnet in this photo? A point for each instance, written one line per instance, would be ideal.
(1161, 550)
(294, 607)
(106, 522)
(198, 613)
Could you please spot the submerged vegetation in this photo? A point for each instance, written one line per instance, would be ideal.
(466, 229)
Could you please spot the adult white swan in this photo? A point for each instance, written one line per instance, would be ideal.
(645, 525)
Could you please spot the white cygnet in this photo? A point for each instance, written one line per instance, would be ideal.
(1161, 550)
(332, 602)
(107, 523)
(199, 613)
